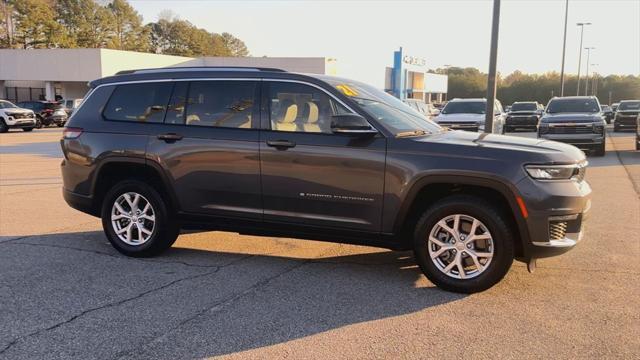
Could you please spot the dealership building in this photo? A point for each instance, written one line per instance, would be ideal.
(409, 79)
(47, 74)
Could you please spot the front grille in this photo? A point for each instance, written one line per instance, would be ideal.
(21, 116)
(557, 230)
(571, 129)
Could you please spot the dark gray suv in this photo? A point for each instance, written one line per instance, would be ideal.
(268, 152)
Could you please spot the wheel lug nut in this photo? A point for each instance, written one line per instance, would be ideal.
(469, 246)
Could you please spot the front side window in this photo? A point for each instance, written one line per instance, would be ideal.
(573, 106)
(301, 108)
(145, 102)
(390, 112)
(227, 104)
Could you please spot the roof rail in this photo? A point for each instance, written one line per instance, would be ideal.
(197, 68)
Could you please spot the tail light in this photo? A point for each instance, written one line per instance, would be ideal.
(71, 133)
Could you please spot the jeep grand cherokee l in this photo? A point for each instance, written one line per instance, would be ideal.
(576, 120)
(523, 115)
(268, 152)
(626, 116)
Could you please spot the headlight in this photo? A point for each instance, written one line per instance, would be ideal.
(555, 172)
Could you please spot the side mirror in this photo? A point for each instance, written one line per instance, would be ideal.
(351, 124)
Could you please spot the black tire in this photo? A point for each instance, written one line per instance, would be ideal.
(38, 122)
(600, 150)
(615, 128)
(494, 220)
(164, 233)
(60, 124)
(507, 129)
(27, 129)
(3, 126)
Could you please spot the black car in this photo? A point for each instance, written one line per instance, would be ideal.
(268, 152)
(576, 120)
(523, 115)
(607, 113)
(627, 115)
(47, 112)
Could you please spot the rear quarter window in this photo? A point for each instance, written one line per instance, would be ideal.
(93, 106)
(145, 102)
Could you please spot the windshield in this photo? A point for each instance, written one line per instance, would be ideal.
(6, 105)
(465, 107)
(629, 105)
(393, 114)
(573, 106)
(524, 107)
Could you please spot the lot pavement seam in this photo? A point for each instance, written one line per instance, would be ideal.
(105, 306)
(217, 307)
(117, 256)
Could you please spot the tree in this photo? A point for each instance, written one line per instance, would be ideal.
(35, 24)
(128, 32)
(229, 45)
(87, 24)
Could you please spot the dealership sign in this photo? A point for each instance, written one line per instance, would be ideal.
(412, 60)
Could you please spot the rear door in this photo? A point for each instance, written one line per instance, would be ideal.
(208, 147)
(311, 175)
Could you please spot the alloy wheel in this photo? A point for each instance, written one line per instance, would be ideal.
(133, 218)
(460, 246)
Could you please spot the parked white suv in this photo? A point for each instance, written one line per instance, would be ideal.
(12, 116)
(469, 114)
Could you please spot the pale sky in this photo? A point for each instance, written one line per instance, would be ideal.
(362, 35)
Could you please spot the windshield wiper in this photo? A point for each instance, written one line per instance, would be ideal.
(411, 133)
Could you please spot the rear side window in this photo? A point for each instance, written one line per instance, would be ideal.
(94, 104)
(227, 104)
(139, 102)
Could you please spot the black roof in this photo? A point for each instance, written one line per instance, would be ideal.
(199, 72)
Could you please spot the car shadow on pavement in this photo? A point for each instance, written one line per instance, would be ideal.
(217, 302)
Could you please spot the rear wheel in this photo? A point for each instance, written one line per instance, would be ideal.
(135, 220)
(463, 244)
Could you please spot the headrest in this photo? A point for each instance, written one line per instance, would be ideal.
(312, 110)
(288, 112)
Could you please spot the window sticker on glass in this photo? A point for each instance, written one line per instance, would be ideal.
(347, 90)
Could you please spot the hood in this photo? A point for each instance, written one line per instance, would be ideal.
(571, 117)
(17, 111)
(459, 117)
(496, 147)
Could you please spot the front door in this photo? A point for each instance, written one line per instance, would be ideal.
(310, 175)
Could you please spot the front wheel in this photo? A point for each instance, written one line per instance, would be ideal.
(60, 124)
(463, 244)
(3, 126)
(27, 129)
(38, 122)
(600, 150)
(136, 221)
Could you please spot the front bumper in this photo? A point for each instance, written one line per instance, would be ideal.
(625, 123)
(557, 212)
(581, 141)
(20, 123)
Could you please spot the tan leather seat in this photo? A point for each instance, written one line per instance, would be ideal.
(287, 116)
(312, 114)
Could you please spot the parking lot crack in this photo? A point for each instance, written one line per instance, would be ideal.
(105, 306)
(219, 305)
(117, 256)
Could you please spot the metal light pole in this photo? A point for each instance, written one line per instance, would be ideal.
(446, 67)
(582, 25)
(564, 46)
(594, 82)
(586, 83)
(493, 59)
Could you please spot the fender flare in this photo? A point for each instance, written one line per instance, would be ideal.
(502, 186)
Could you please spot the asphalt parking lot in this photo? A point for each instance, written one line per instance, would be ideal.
(65, 293)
